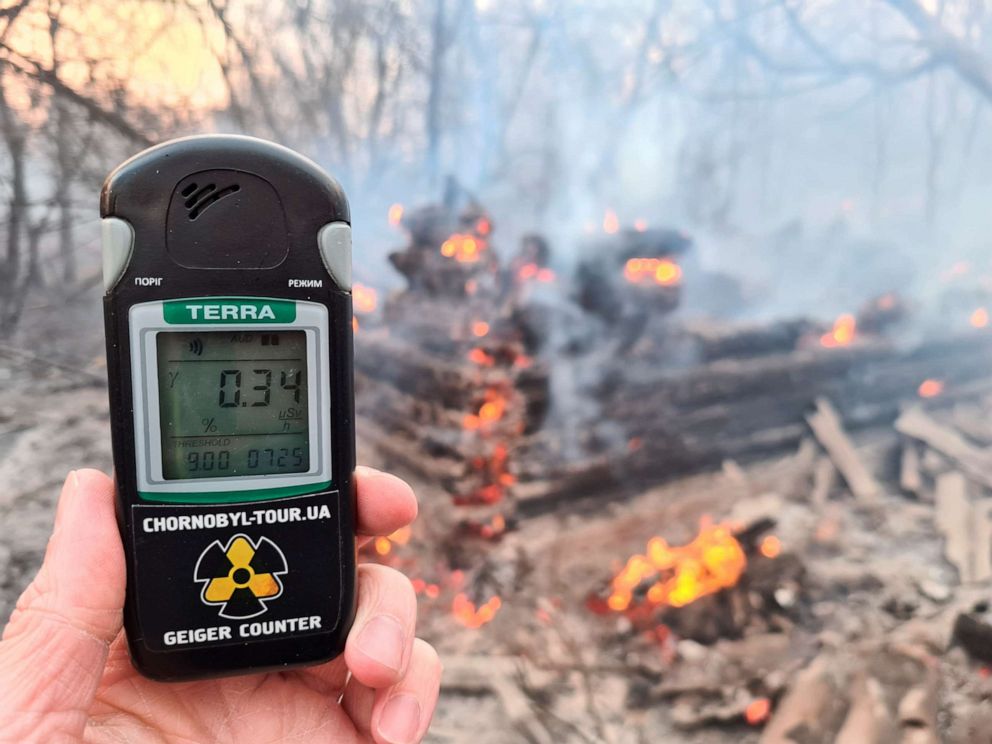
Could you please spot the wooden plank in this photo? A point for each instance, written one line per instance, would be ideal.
(974, 462)
(965, 527)
(829, 432)
(910, 479)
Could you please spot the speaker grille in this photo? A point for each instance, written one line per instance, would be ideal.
(197, 200)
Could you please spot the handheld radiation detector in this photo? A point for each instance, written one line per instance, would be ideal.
(227, 270)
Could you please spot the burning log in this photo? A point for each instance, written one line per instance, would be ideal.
(448, 254)
(630, 277)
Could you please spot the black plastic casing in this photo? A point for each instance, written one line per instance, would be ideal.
(242, 231)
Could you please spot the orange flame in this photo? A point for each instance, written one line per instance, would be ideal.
(979, 318)
(611, 223)
(481, 357)
(662, 271)
(771, 547)
(463, 247)
(640, 225)
(714, 560)
(842, 334)
(467, 614)
(364, 299)
(533, 271)
(483, 226)
(496, 526)
(490, 411)
(930, 388)
(384, 545)
(395, 214)
(758, 711)
(480, 328)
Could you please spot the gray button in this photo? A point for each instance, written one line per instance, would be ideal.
(118, 244)
(334, 240)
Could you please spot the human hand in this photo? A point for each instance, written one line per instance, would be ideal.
(65, 674)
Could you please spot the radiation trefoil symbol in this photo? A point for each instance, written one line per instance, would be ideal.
(241, 577)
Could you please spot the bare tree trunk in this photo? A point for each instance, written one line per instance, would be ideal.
(65, 163)
(435, 92)
(11, 281)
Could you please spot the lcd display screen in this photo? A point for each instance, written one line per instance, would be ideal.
(233, 403)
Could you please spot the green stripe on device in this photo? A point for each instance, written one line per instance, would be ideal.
(228, 310)
(227, 497)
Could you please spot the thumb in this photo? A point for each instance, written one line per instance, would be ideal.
(54, 648)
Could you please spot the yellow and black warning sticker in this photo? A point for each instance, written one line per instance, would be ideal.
(241, 576)
(216, 574)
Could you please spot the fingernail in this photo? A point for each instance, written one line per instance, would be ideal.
(69, 488)
(382, 641)
(400, 719)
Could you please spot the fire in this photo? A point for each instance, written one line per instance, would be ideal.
(496, 526)
(979, 318)
(757, 711)
(480, 328)
(463, 247)
(384, 545)
(467, 614)
(842, 334)
(640, 225)
(771, 547)
(533, 271)
(611, 223)
(364, 299)
(490, 411)
(395, 214)
(483, 226)
(481, 357)
(930, 388)
(714, 560)
(662, 271)
(354, 324)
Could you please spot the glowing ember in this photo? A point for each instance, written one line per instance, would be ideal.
(480, 328)
(662, 271)
(930, 388)
(771, 547)
(757, 711)
(496, 526)
(395, 214)
(979, 318)
(714, 560)
(384, 545)
(480, 357)
(467, 614)
(490, 411)
(364, 299)
(463, 247)
(483, 226)
(532, 271)
(842, 334)
(611, 223)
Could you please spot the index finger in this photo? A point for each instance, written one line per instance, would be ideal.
(384, 502)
